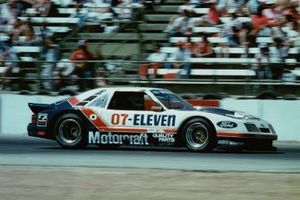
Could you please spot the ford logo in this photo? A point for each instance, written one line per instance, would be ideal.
(227, 124)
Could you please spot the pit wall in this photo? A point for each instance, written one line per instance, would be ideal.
(284, 115)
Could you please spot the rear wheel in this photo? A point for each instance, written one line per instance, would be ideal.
(70, 131)
(199, 135)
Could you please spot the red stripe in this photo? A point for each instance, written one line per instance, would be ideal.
(232, 134)
(73, 101)
(98, 122)
(170, 130)
(125, 130)
(210, 103)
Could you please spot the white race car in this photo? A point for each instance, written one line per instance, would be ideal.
(146, 116)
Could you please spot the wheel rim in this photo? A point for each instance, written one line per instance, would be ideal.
(197, 136)
(69, 131)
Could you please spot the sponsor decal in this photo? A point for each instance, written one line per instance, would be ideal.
(163, 137)
(226, 124)
(154, 120)
(119, 139)
(42, 119)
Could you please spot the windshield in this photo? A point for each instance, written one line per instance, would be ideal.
(171, 100)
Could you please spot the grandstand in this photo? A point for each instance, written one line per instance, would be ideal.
(122, 37)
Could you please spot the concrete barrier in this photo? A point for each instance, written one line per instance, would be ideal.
(283, 114)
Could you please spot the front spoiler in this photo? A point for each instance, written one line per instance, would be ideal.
(257, 143)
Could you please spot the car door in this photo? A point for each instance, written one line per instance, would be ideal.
(136, 112)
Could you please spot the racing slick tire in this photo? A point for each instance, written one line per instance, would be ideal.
(70, 132)
(199, 135)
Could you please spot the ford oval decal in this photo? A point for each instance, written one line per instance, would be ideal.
(227, 124)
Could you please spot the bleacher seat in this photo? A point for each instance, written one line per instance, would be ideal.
(26, 49)
(52, 20)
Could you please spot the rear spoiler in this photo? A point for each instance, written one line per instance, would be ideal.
(38, 107)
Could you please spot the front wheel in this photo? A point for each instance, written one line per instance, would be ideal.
(70, 131)
(199, 135)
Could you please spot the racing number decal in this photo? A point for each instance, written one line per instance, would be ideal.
(119, 119)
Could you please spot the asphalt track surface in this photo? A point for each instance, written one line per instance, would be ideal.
(22, 150)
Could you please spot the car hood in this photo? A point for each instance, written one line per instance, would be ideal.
(228, 113)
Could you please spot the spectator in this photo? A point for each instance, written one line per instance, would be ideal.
(24, 34)
(83, 69)
(180, 60)
(229, 6)
(8, 68)
(212, 18)
(262, 67)
(247, 35)
(155, 60)
(259, 21)
(233, 37)
(261, 24)
(278, 52)
(272, 11)
(181, 25)
(252, 6)
(191, 46)
(50, 56)
(61, 73)
(204, 48)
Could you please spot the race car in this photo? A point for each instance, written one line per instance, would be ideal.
(141, 116)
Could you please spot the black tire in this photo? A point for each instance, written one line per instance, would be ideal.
(199, 135)
(70, 132)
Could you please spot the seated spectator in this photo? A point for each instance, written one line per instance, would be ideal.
(259, 21)
(155, 60)
(24, 34)
(83, 70)
(203, 48)
(261, 24)
(180, 60)
(181, 25)
(191, 46)
(212, 18)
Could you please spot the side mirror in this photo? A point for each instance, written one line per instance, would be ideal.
(157, 108)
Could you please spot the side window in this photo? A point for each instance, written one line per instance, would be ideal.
(127, 101)
(131, 101)
(101, 100)
(149, 103)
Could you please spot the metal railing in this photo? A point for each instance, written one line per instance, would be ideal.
(33, 76)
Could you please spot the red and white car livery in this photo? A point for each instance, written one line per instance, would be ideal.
(145, 116)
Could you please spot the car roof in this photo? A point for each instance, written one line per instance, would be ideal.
(123, 88)
(91, 92)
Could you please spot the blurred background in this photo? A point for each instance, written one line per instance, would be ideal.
(207, 49)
